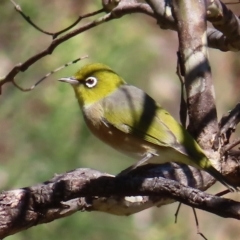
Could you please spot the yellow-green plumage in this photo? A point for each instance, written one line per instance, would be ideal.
(126, 118)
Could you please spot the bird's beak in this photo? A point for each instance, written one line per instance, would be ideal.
(71, 80)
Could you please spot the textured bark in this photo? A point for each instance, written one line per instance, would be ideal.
(197, 71)
(90, 190)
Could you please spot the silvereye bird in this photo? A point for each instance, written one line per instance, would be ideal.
(130, 121)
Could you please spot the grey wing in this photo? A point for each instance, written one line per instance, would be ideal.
(132, 111)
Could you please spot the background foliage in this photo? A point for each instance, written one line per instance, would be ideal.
(42, 132)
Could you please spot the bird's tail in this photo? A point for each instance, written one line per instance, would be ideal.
(216, 174)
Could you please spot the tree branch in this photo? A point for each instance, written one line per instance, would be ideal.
(164, 17)
(56, 34)
(198, 79)
(227, 126)
(90, 190)
(225, 21)
(121, 10)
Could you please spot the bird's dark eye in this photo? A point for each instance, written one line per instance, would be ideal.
(91, 82)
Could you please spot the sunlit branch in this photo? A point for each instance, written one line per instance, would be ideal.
(47, 75)
(56, 34)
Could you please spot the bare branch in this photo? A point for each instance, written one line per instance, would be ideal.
(231, 145)
(177, 212)
(227, 126)
(163, 15)
(197, 224)
(232, 3)
(225, 38)
(198, 79)
(56, 34)
(47, 75)
(90, 190)
(225, 21)
(118, 12)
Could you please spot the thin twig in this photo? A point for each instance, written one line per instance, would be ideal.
(231, 3)
(117, 12)
(195, 216)
(222, 193)
(47, 75)
(176, 213)
(231, 145)
(197, 224)
(183, 104)
(54, 35)
(234, 153)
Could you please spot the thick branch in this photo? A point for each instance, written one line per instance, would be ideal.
(90, 190)
(226, 35)
(225, 21)
(198, 79)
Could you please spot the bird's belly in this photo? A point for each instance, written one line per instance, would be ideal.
(122, 142)
(132, 146)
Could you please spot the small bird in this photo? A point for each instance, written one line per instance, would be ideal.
(127, 119)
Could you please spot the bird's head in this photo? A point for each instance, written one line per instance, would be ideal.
(93, 82)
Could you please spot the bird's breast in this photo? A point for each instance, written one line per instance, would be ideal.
(127, 143)
(121, 141)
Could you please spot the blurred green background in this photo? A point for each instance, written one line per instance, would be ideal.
(42, 131)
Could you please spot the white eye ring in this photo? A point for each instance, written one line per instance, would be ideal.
(91, 82)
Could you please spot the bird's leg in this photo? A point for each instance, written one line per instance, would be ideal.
(142, 161)
(137, 164)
